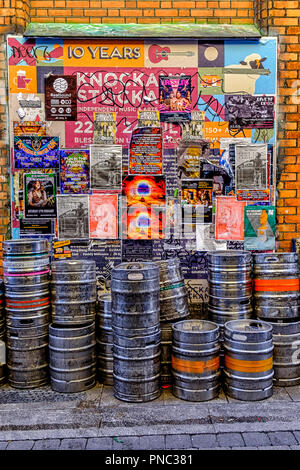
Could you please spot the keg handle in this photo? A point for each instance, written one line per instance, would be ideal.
(134, 266)
(271, 258)
(254, 325)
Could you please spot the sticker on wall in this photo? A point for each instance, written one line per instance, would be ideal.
(145, 152)
(40, 195)
(27, 107)
(175, 98)
(103, 215)
(148, 118)
(105, 128)
(260, 223)
(73, 216)
(36, 152)
(36, 128)
(106, 167)
(74, 171)
(229, 218)
(61, 98)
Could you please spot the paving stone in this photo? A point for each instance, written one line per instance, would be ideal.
(295, 447)
(20, 445)
(281, 438)
(274, 448)
(47, 444)
(3, 445)
(178, 441)
(152, 442)
(99, 443)
(244, 448)
(201, 441)
(232, 439)
(126, 443)
(297, 435)
(256, 439)
(73, 444)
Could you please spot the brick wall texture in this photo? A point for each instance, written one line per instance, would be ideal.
(276, 18)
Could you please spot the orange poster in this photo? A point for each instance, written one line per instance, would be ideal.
(103, 216)
(104, 53)
(22, 79)
(229, 218)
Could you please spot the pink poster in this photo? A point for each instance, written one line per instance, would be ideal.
(229, 218)
(103, 213)
(124, 91)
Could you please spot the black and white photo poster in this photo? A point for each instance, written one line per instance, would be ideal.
(251, 166)
(106, 167)
(73, 216)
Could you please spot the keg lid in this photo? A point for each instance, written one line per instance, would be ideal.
(248, 330)
(135, 271)
(164, 263)
(63, 265)
(24, 246)
(195, 326)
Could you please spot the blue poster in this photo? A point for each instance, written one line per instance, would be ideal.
(36, 152)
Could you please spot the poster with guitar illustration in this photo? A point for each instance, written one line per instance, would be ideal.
(40, 195)
(170, 54)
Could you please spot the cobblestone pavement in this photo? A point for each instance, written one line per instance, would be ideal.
(42, 419)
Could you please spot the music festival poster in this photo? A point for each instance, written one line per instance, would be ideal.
(74, 171)
(36, 152)
(40, 195)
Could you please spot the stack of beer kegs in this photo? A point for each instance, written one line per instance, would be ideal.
(2, 312)
(230, 289)
(72, 341)
(104, 338)
(277, 302)
(26, 267)
(173, 308)
(136, 331)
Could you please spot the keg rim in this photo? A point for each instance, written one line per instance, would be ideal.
(230, 253)
(232, 325)
(214, 326)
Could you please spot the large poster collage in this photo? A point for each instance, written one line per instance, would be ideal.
(131, 150)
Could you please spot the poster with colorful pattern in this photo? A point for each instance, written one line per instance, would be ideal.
(74, 171)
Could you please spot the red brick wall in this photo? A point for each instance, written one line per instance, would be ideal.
(142, 11)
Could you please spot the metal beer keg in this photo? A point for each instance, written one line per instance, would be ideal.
(72, 354)
(73, 292)
(248, 367)
(173, 293)
(195, 360)
(104, 338)
(276, 286)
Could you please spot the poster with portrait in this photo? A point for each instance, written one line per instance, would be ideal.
(145, 151)
(260, 223)
(106, 167)
(175, 103)
(229, 218)
(40, 195)
(103, 215)
(74, 171)
(73, 216)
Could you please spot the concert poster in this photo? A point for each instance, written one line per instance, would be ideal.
(175, 98)
(74, 171)
(36, 152)
(105, 128)
(40, 195)
(145, 152)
